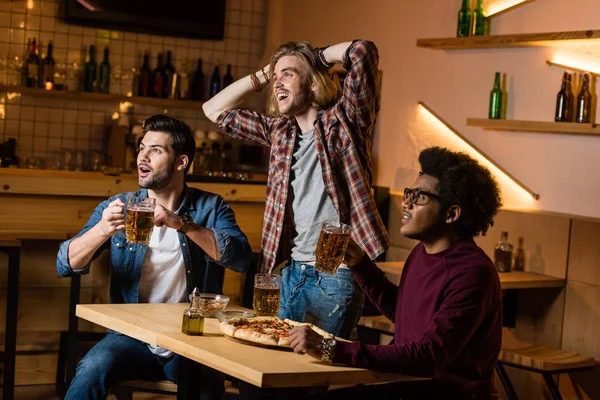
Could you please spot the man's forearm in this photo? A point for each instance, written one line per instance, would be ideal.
(232, 95)
(336, 52)
(205, 238)
(82, 249)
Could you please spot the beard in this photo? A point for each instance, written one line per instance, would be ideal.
(158, 180)
(303, 100)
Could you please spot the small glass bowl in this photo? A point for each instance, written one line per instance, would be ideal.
(223, 316)
(210, 304)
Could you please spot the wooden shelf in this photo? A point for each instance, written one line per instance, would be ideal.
(507, 41)
(101, 97)
(572, 128)
(570, 68)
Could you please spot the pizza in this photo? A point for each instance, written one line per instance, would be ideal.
(268, 331)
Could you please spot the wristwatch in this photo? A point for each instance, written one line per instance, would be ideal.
(187, 222)
(328, 349)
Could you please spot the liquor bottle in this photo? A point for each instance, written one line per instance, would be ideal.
(144, 78)
(193, 317)
(227, 78)
(495, 111)
(584, 101)
(48, 67)
(215, 82)
(104, 74)
(564, 101)
(197, 91)
(183, 92)
(9, 155)
(465, 19)
(158, 78)
(89, 71)
(33, 65)
(503, 254)
(170, 83)
(519, 264)
(478, 28)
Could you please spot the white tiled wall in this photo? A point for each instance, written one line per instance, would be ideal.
(43, 127)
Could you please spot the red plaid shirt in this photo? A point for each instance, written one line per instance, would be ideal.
(343, 139)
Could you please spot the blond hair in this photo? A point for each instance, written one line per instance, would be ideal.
(327, 88)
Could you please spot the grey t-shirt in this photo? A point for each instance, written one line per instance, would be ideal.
(310, 203)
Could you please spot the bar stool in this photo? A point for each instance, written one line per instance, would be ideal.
(542, 360)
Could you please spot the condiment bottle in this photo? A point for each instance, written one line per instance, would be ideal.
(193, 317)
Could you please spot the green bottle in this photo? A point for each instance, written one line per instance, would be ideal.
(465, 20)
(89, 71)
(478, 20)
(496, 99)
(104, 74)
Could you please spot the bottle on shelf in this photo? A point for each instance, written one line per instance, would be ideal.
(48, 69)
(584, 101)
(183, 89)
(503, 253)
(89, 71)
(564, 101)
(495, 111)
(479, 21)
(215, 82)
(197, 84)
(519, 264)
(104, 74)
(193, 317)
(24, 64)
(9, 154)
(33, 65)
(465, 19)
(227, 78)
(143, 88)
(158, 78)
(169, 88)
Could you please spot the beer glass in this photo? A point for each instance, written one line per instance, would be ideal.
(267, 290)
(332, 246)
(139, 220)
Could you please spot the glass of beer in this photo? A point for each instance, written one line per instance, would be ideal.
(332, 246)
(139, 220)
(267, 290)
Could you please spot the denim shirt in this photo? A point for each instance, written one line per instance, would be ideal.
(208, 210)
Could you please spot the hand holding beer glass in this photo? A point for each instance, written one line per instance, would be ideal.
(332, 246)
(139, 220)
(267, 291)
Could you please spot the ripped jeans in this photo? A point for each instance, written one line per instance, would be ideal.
(332, 302)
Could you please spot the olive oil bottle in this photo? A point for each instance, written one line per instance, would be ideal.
(193, 318)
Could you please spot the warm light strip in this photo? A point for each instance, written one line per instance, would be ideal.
(500, 7)
(511, 178)
(571, 67)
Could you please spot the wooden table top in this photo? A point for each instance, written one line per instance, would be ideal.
(508, 280)
(160, 325)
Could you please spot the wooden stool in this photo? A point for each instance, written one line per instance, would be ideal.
(543, 360)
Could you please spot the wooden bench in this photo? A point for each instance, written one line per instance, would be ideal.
(542, 360)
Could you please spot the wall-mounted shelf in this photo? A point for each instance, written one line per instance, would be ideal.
(101, 97)
(571, 128)
(570, 68)
(507, 41)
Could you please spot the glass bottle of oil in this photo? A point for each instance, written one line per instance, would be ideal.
(193, 318)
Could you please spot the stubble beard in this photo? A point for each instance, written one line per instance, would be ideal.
(159, 180)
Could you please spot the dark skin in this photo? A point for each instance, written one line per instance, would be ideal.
(425, 221)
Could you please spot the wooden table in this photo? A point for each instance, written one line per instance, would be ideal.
(160, 325)
(12, 247)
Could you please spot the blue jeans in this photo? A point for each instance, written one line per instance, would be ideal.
(334, 303)
(117, 358)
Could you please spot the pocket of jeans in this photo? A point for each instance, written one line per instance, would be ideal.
(338, 287)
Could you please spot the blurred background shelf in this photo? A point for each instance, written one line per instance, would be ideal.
(571, 128)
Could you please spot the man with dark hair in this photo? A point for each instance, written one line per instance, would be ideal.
(320, 140)
(447, 309)
(194, 237)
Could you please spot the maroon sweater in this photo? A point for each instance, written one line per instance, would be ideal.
(448, 318)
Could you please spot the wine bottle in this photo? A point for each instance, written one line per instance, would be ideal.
(519, 264)
(197, 92)
(495, 111)
(48, 66)
(465, 19)
(33, 65)
(564, 101)
(503, 254)
(89, 71)
(584, 101)
(227, 78)
(169, 72)
(104, 74)
(158, 78)
(215, 82)
(144, 79)
(478, 28)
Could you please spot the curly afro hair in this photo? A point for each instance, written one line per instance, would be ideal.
(466, 183)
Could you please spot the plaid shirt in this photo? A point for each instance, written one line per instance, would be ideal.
(343, 140)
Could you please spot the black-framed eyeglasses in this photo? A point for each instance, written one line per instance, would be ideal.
(419, 196)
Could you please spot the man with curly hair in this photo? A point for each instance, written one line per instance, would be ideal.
(447, 309)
